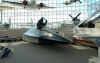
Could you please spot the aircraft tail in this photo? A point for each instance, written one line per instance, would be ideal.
(10, 21)
(33, 3)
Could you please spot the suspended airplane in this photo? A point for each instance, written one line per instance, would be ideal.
(30, 5)
(71, 1)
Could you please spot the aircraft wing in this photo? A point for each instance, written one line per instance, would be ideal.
(46, 7)
(13, 3)
(66, 3)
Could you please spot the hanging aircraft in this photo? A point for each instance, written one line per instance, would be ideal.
(30, 5)
(71, 1)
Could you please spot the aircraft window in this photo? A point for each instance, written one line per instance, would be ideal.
(83, 24)
(44, 21)
(89, 24)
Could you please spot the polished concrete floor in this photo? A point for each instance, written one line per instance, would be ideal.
(25, 52)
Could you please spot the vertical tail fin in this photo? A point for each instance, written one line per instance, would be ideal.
(33, 3)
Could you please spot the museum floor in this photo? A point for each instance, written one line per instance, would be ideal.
(24, 52)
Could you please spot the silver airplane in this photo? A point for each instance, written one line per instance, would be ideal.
(71, 1)
(41, 34)
(30, 5)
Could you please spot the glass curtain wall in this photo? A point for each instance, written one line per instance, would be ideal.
(93, 5)
(23, 18)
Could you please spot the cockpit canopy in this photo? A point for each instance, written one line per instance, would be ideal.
(41, 23)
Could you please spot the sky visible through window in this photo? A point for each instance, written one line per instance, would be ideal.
(60, 13)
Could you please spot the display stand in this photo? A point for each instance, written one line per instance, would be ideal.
(96, 59)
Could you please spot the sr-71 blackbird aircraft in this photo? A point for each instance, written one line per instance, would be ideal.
(40, 34)
(30, 5)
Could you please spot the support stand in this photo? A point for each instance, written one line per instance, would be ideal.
(95, 59)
